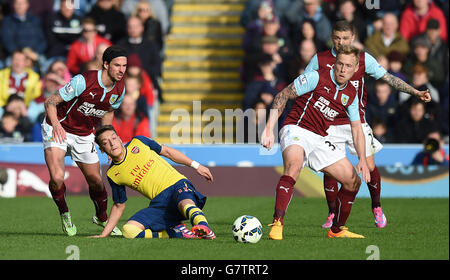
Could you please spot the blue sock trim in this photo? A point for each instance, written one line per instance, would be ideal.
(204, 224)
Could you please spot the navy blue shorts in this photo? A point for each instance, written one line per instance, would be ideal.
(162, 213)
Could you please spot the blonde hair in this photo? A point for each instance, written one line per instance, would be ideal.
(147, 5)
(349, 49)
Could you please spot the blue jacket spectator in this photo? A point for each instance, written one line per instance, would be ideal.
(21, 29)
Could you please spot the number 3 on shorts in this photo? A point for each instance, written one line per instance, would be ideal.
(332, 147)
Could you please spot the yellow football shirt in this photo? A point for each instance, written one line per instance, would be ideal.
(142, 169)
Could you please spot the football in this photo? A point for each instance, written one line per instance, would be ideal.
(247, 229)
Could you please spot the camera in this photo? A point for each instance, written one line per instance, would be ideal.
(431, 146)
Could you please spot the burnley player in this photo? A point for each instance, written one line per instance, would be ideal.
(340, 132)
(139, 166)
(303, 137)
(72, 114)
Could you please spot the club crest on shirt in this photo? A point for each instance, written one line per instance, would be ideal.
(344, 99)
(113, 98)
(135, 150)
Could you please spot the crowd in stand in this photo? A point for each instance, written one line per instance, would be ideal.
(44, 43)
(408, 38)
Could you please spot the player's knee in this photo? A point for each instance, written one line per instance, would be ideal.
(130, 231)
(292, 169)
(95, 183)
(56, 180)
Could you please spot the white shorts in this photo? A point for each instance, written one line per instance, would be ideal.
(341, 135)
(79, 148)
(319, 150)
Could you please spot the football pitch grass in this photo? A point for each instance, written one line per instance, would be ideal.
(417, 229)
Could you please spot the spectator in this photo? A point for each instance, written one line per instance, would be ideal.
(435, 69)
(311, 10)
(61, 72)
(147, 51)
(433, 151)
(148, 91)
(62, 29)
(382, 105)
(134, 68)
(133, 85)
(255, 26)
(56, 77)
(84, 49)
(420, 78)
(9, 132)
(438, 49)
(159, 8)
(277, 7)
(306, 31)
(387, 39)
(270, 27)
(82, 6)
(264, 85)
(395, 60)
(271, 46)
(17, 107)
(413, 127)
(110, 23)
(375, 25)
(128, 122)
(380, 131)
(96, 63)
(347, 11)
(51, 85)
(152, 26)
(22, 29)
(18, 80)
(296, 66)
(33, 60)
(416, 15)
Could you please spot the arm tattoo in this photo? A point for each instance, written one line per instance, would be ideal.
(282, 97)
(53, 100)
(398, 84)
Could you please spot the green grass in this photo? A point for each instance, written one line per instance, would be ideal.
(417, 229)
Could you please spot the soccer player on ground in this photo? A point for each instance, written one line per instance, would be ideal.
(340, 132)
(303, 137)
(72, 114)
(139, 166)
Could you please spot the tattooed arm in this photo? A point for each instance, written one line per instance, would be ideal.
(279, 103)
(400, 85)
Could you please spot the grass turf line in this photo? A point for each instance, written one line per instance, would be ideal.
(417, 229)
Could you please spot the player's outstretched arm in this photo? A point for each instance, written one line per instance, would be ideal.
(179, 157)
(360, 147)
(114, 217)
(400, 85)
